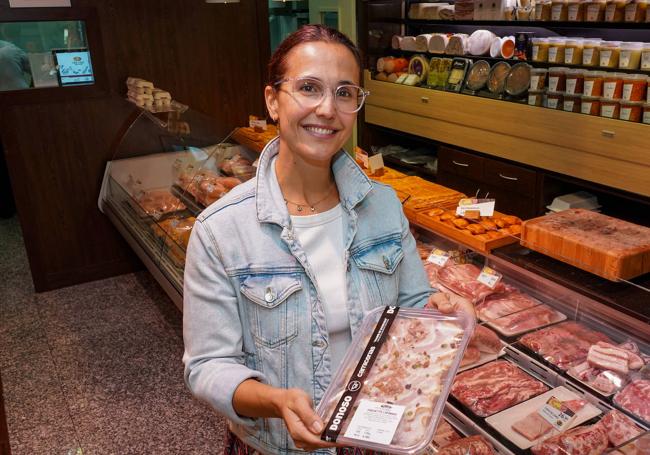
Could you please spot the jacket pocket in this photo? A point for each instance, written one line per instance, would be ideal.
(377, 264)
(274, 308)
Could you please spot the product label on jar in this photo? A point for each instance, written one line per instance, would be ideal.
(625, 113)
(535, 52)
(592, 13)
(609, 12)
(573, 12)
(646, 117)
(556, 12)
(645, 58)
(608, 90)
(571, 86)
(627, 92)
(587, 56)
(589, 87)
(568, 106)
(553, 103)
(532, 100)
(630, 12)
(552, 54)
(568, 55)
(552, 83)
(534, 81)
(624, 60)
(586, 107)
(605, 57)
(607, 111)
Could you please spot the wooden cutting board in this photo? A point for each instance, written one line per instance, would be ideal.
(606, 246)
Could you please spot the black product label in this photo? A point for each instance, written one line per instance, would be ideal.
(354, 385)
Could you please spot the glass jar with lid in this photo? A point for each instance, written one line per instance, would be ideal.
(634, 87)
(630, 57)
(573, 51)
(636, 11)
(590, 105)
(543, 10)
(590, 54)
(631, 111)
(575, 81)
(593, 85)
(609, 53)
(535, 97)
(555, 100)
(646, 113)
(571, 103)
(576, 11)
(556, 47)
(557, 79)
(615, 10)
(613, 86)
(609, 108)
(595, 10)
(538, 78)
(559, 10)
(540, 49)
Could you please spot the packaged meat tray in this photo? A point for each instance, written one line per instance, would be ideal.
(638, 446)
(472, 445)
(484, 346)
(525, 424)
(526, 320)
(462, 279)
(391, 387)
(563, 345)
(606, 246)
(503, 304)
(635, 397)
(495, 386)
(158, 202)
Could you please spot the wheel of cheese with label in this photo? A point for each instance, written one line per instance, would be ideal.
(420, 67)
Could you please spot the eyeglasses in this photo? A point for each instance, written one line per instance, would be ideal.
(309, 93)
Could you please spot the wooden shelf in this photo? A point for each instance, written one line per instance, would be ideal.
(518, 24)
(246, 142)
(610, 152)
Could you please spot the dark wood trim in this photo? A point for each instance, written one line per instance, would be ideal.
(94, 36)
(5, 448)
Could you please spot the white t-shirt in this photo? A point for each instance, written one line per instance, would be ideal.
(321, 237)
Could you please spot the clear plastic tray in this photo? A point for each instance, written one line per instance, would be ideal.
(414, 369)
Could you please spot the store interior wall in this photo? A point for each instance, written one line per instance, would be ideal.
(209, 56)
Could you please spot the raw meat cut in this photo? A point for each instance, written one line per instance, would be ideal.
(474, 445)
(635, 397)
(485, 340)
(608, 357)
(534, 426)
(445, 434)
(503, 304)
(588, 440)
(461, 279)
(564, 345)
(526, 320)
(159, 202)
(620, 428)
(472, 355)
(494, 386)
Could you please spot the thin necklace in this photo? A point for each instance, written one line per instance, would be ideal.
(312, 207)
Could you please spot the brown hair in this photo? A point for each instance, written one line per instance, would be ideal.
(306, 34)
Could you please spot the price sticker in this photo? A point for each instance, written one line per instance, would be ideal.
(376, 164)
(375, 422)
(473, 208)
(489, 277)
(257, 124)
(361, 156)
(557, 413)
(438, 257)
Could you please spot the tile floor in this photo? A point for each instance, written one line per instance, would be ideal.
(95, 368)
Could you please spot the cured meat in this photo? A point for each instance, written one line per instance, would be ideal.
(485, 340)
(527, 320)
(608, 357)
(474, 445)
(534, 426)
(159, 202)
(586, 440)
(472, 355)
(620, 428)
(494, 386)
(503, 304)
(565, 344)
(462, 279)
(635, 397)
(445, 434)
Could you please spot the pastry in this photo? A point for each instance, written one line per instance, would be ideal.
(476, 229)
(460, 223)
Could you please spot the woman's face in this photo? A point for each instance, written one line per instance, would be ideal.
(315, 134)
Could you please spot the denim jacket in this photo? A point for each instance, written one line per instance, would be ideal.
(251, 308)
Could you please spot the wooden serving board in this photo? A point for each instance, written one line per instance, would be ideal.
(456, 234)
(606, 246)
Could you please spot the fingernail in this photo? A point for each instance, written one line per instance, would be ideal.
(316, 427)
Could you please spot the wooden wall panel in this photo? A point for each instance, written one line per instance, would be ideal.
(209, 56)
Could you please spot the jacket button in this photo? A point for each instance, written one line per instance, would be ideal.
(269, 295)
(386, 262)
(319, 344)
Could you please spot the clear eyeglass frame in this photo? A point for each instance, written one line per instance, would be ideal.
(301, 90)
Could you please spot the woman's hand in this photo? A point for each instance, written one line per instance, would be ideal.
(448, 303)
(304, 425)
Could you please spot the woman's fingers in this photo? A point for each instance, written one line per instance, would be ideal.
(450, 303)
(303, 423)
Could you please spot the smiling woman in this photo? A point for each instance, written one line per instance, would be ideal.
(281, 271)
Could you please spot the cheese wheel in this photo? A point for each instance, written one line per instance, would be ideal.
(396, 42)
(438, 43)
(422, 42)
(419, 66)
(408, 43)
(480, 42)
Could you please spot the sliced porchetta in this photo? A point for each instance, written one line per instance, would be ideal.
(606, 356)
(585, 440)
(620, 428)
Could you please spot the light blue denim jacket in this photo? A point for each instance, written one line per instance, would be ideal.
(251, 309)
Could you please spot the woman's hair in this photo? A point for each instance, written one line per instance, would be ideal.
(307, 33)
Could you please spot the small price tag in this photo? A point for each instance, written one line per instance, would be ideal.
(361, 156)
(376, 163)
(438, 257)
(375, 422)
(489, 277)
(257, 124)
(473, 208)
(556, 413)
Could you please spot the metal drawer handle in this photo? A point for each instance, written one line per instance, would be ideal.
(508, 178)
(460, 164)
(424, 99)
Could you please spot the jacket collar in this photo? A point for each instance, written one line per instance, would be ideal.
(352, 183)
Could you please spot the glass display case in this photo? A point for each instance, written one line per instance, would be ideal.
(166, 168)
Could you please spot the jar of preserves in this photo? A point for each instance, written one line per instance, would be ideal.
(636, 11)
(593, 85)
(538, 78)
(573, 51)
(609, 52)
(613, 86)
(609, 108)
(590, 53)
(646, 113)
(536, 98)
(595, 10)
(576, 10)
(556, 48)
(540, 49)
(555, 100)
(590, 105)
(575, 79)
(630, 57)
(571, 103)
(559, 10)
(645, 56)
(634, 87)
(557, 79)
(543, 10)
(615, 10)
(631, 111)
